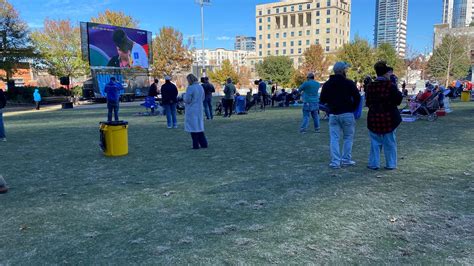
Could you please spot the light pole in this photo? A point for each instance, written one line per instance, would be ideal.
(202, 3)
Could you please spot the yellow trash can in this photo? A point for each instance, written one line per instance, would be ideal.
(465, 96)
(114, 138)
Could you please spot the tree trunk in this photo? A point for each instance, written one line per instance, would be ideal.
(447, 72)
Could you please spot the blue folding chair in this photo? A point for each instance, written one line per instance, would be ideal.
(149, 103)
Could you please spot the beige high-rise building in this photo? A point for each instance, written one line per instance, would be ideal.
(289, 27)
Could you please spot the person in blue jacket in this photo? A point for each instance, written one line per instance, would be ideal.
(112, 89)
(37, 98)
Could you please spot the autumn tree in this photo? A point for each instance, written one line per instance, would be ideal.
(361, 56)
(297, 78)
(15, 43)
(226, 71)
(116, 18)
(386, 52)
(245, 76)
(279, 69)
(316, 61)
(59, 45)
(170, 55)
(450, 59)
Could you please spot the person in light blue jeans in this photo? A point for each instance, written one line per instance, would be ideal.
(388, 143)
(170, 111)
(342, 98)
(310, 94)
(342, 125)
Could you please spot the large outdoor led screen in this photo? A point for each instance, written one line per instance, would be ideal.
(111, 46)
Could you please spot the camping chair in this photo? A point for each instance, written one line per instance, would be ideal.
(150, 104)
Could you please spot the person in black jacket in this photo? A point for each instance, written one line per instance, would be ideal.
(3, 102)
(153, 92)
(169, 98)
(208, 90)
(342, 98)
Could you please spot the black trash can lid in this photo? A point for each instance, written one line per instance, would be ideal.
(114, 123)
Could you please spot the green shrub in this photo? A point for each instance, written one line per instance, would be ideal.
(77, 91)
(25, 94)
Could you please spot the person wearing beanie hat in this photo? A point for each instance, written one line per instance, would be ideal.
(129, 53)
(342, 98)
(169, 99)
(382, 98)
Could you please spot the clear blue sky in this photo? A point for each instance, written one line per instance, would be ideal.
(224, 19)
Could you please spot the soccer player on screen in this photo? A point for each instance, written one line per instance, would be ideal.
(130, 53)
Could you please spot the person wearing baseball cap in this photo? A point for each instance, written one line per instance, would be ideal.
(382, 98)
(342, 98)
(169, 99)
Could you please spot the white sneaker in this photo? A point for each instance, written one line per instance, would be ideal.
(175, 126)
(334, 166)
(3, 140)
(348, 163)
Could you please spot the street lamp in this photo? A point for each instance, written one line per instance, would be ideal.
(202, 3)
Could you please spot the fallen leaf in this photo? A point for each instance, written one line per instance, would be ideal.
(467, 174)
(313, 247)
(169, 193)
(393, 219)
(23, 227)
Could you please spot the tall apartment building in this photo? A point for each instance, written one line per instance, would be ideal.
(245, 43)
(391, 24)
(458, 13)
(213, 58)
(290, 27)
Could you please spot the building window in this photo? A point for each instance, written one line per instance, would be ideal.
(317, 31)
(292, 8)
(277, 45)
(277, 35)
(318, 13)
(329, 3)
(268, 26)
(328, 12)
(260, 46)
(307, 42)
(300, 33)
(284, 51)
(268, 36)
(328, 20)
(292, 34)
(276, 52)
(308, 6)
(300, 7)
(328, 40)
(317, 21)
(268, 19)
(284, 9)
(327, 48)
(284, 44)
(259, 37)
(292, 43)
(260, 53)
(299, 50)
(277, 10)
(318, 5)
(284, 34)
(291, 51)
(260, 12)
(268, 45)
(299, 43)
(317, 41)
(268, 11)
(328, 30)
(308, 32)
(259, 20)
(268, 52)
(260, 27)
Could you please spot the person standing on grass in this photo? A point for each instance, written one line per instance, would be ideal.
(194, 118)
(262, 92)
(310, 93)
(37, 98)
(3, 103)
(169, 99)
(229, 92)
(342, 98)
(382, 98)
(208, 90)
(112, 89)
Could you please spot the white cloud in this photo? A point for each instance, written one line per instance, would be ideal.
(224, 38)
(34, 25)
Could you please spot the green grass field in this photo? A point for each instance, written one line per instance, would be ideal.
(261, 194)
